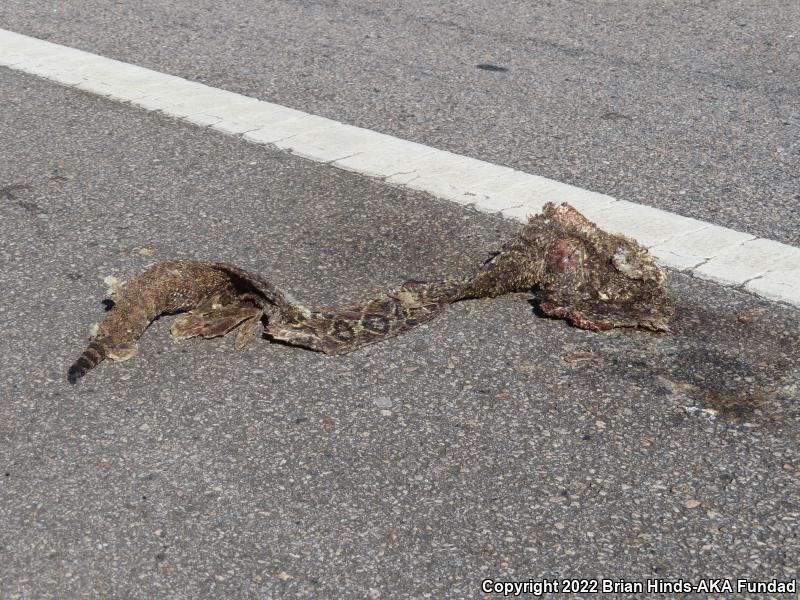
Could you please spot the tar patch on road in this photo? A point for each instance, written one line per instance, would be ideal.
(493, 68)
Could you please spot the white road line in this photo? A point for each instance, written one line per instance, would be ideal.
(764, 267)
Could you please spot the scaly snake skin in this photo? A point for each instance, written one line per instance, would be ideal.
(594, 279)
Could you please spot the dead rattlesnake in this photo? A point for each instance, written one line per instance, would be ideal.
(594, 279)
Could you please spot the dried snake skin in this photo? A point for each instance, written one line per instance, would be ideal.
(220, 296)
(578, 272)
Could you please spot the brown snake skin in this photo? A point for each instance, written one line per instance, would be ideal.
(594, 279)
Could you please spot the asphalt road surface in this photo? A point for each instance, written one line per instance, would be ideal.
(693, 107)
(490, 443)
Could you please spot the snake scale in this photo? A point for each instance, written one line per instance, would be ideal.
(578, 272)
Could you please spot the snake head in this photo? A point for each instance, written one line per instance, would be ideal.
(598, 280)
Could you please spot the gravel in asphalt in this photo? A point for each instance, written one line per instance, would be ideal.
(488, 443)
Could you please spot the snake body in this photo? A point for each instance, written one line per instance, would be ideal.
(579, 272)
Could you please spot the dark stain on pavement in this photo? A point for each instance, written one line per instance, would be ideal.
(11, 193)
(493, 68)
(7, 192)
(737, 405)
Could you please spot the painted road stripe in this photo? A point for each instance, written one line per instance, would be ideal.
(763, 267)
